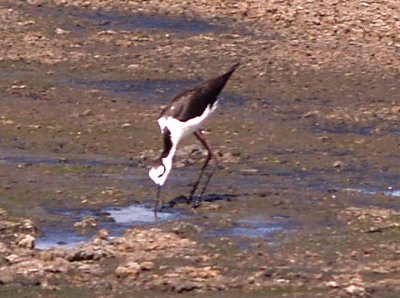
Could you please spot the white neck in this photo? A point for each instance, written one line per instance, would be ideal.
(167, 162)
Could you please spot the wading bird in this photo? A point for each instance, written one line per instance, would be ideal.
(183, 116)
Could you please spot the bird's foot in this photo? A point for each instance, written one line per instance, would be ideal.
(155, 214)
(196, 202)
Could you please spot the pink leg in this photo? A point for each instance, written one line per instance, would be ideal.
(200, 136)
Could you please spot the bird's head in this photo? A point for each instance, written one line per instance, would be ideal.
(159, 172)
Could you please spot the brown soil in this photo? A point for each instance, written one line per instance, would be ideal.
(308, 134)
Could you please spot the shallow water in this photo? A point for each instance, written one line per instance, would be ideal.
(80, 20)
(28, 159)
(118, 219)
(110, 20)
(250, 229)
(388, 192)
(137, 214)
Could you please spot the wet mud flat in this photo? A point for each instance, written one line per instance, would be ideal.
(305, 205)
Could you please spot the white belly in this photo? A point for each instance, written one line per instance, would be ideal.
(180, 129)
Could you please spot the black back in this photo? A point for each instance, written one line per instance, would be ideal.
(192, 103)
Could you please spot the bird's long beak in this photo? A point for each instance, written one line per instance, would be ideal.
(157, 200)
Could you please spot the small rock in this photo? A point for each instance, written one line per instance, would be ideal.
(185, 229)
(13, 259)
(87, 112)
(186, 286)
(102, 234)
(355, 290)
(89, 253)
(332, 284)
(128, 269)
(26, 241)
(36, 2)
(337, 164)
(28, 227)
(248, 171)
(92, 269)
(310, 114)
(60, 31)
(86, 222)
(58, 265)
(147, 265)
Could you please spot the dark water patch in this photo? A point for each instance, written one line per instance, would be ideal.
(142, 91)
(154, 91)
(330, 181)
(54, 161)
(114, 219)
(367, 129)
(343, 128)
(249, 229)
(80, 20)
(15, 73)
(388, 180)
(391, 192)
(57, 237)
(113, 20)
(246, 232)
(394, 130)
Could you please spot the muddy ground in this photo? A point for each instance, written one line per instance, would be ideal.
(306, 203)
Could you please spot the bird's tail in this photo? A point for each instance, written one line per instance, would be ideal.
(218, 83)
(233, 68)
(228, 74)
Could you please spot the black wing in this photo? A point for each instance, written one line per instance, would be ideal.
(192, 103)
(167, 143)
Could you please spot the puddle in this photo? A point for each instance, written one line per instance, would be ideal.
(78, 20)
(136, 214)
(154, 92)
(249, 229)
(343, 128)
(393, 192)
(59, 238)
(389, 192)
(115, 220)
(109, 20)
(140, 91)
(245, 230)
(55, 161)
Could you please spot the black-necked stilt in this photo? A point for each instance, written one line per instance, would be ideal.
(183, 116)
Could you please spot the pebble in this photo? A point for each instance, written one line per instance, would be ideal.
(355, 290)
(337, 164)
(102, 234)
(128, 269)
(60, 31)
(147, 265)
(25, 241)
(86, 222)
(332, 284)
